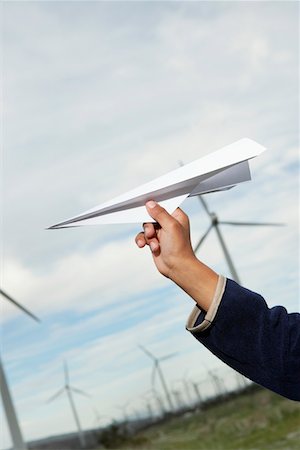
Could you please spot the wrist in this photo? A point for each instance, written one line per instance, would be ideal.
(183, 270)
(197, 280)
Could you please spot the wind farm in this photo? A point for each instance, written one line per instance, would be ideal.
(100, 100)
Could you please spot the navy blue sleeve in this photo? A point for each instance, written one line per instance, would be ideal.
(261, 343)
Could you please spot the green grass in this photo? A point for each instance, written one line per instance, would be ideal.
(259, 420)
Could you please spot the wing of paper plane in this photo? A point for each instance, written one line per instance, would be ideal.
(216, 171)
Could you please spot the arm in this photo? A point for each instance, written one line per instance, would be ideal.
(231, 321)
(261, 343)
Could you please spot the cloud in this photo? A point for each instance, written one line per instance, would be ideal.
(81, 282)
(100, 97)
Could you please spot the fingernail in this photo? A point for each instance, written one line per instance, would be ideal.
(153, 246)
(140, 243)
(151, 204)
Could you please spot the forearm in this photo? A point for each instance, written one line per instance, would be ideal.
(197, 280)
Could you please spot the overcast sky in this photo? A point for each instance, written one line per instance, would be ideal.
(98, 98)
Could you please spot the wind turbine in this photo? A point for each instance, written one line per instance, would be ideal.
(10, 412)
(178, 397)
(69, 390)
(157, 369)
(124, 409)
(218, 384)
(158, 401)
(149, 410)
(215, 222)
(197, 392)
(98, 416)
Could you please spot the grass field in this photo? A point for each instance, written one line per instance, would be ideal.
(259, 420)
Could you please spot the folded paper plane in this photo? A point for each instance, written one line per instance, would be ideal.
(217, 171)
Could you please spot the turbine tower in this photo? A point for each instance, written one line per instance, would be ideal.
(10, 412)
(157, 369)
(69, 391)
(215, 222)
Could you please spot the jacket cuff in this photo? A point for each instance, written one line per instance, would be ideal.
(198, 320)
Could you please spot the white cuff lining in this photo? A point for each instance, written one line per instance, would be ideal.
(211, 313)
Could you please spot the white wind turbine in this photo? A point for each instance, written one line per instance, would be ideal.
(10, 412)
(69, 391)
(215, 222)
(157, 369)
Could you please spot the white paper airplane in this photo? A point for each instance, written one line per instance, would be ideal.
(216, 171)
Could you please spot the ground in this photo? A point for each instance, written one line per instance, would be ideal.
(259, 420)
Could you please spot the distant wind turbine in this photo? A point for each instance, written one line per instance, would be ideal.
(215, 222)
(10, 412)
(178, 397)
(197, 392)
(124, 408)
(69, 390)
(149, 409)
(98, 416)
(157, 369)
(218, 383)
(159, 404)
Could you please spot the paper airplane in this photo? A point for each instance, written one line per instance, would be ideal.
(216, 171)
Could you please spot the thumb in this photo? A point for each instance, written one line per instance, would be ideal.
(159, 214)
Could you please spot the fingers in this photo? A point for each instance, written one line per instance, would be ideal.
(140, 240)
(149, 230)
(181, 217)
(154, 245)
(159, 214)
(150, 236)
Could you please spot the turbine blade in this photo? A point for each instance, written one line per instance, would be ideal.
(147, 352)
(202, 239)
(79, 391)
(204, 204)
(53, 397)
(263, 224)
(170, 355)
(26, 311)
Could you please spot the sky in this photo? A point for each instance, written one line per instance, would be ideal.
(99, 97)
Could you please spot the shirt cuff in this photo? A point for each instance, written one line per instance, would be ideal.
(198, 321)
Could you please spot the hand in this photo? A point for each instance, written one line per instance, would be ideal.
(169, 241)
